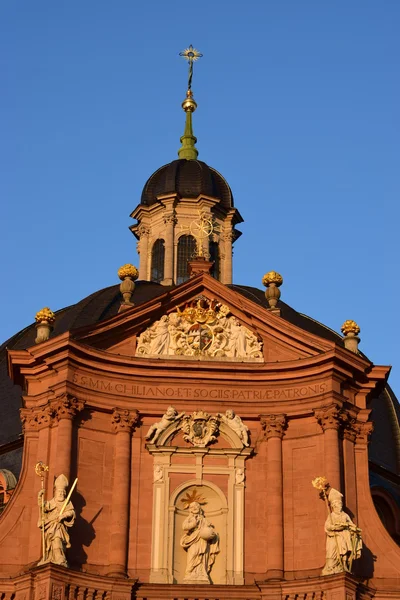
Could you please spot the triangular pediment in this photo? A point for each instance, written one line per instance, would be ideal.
(203, 319)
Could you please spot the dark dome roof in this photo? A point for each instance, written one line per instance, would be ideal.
(188, 178)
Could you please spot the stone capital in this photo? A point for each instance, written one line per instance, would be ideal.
(45, 416)
(273, 425)
(363, 432)
(124, 420)
(143, 231)
(67, 406)
(228, 236)
(28, 419)
(330, 416)
(170, 219)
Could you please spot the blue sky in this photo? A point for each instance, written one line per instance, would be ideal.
(298, 109)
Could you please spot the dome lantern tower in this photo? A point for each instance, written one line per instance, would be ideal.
(173, 199)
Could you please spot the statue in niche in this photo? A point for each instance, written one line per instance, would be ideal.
(171, 415)
(236, 424)
(201, 543)
(343, 537)
(55, 522)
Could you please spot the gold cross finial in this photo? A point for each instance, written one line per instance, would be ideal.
(191, 55)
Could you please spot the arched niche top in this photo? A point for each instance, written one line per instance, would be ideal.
(166, 439)
(190, 483)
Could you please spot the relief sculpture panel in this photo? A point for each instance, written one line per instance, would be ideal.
(203, 328)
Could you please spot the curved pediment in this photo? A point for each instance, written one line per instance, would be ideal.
(203, 319)
(198, 429)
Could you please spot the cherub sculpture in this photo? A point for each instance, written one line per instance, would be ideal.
(171, 415)
(236, 424)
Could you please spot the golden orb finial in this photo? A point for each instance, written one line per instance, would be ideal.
(189, 104)
(45, 315)
(350, 327)
(128, 270)
(272, 277)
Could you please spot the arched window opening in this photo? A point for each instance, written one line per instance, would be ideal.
(186, 251)
(214, 257)
(386, 514)
(157, 261)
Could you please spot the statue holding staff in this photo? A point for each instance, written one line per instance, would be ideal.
(57, 516)
(343, 537)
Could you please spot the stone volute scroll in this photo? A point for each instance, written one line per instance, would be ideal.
(204, 328)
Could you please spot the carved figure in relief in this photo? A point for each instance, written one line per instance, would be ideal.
(343, 537)
(171, 415)
(236, 424)
(158, 473)
(239, 476)
(237, 345)
(55, 522)
(201, 543)
(202, 328)
(160, 341)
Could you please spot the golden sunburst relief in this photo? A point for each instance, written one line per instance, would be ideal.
(190, 54)
(193, 496)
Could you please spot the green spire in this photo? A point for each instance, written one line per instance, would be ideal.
(188, 149)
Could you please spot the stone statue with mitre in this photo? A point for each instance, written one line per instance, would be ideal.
(55, 522)
(343, 537)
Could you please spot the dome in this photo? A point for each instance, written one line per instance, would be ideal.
(189, 179)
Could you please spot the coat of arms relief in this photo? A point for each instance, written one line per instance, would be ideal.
(203, 328)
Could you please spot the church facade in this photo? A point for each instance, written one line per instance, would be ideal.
(217, 442)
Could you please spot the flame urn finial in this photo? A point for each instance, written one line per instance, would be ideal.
(272, 280)
(350, 331)
(128, 274)
(44, 324)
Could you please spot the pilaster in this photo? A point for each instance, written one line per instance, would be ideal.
(122, 423)
(274, 428)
